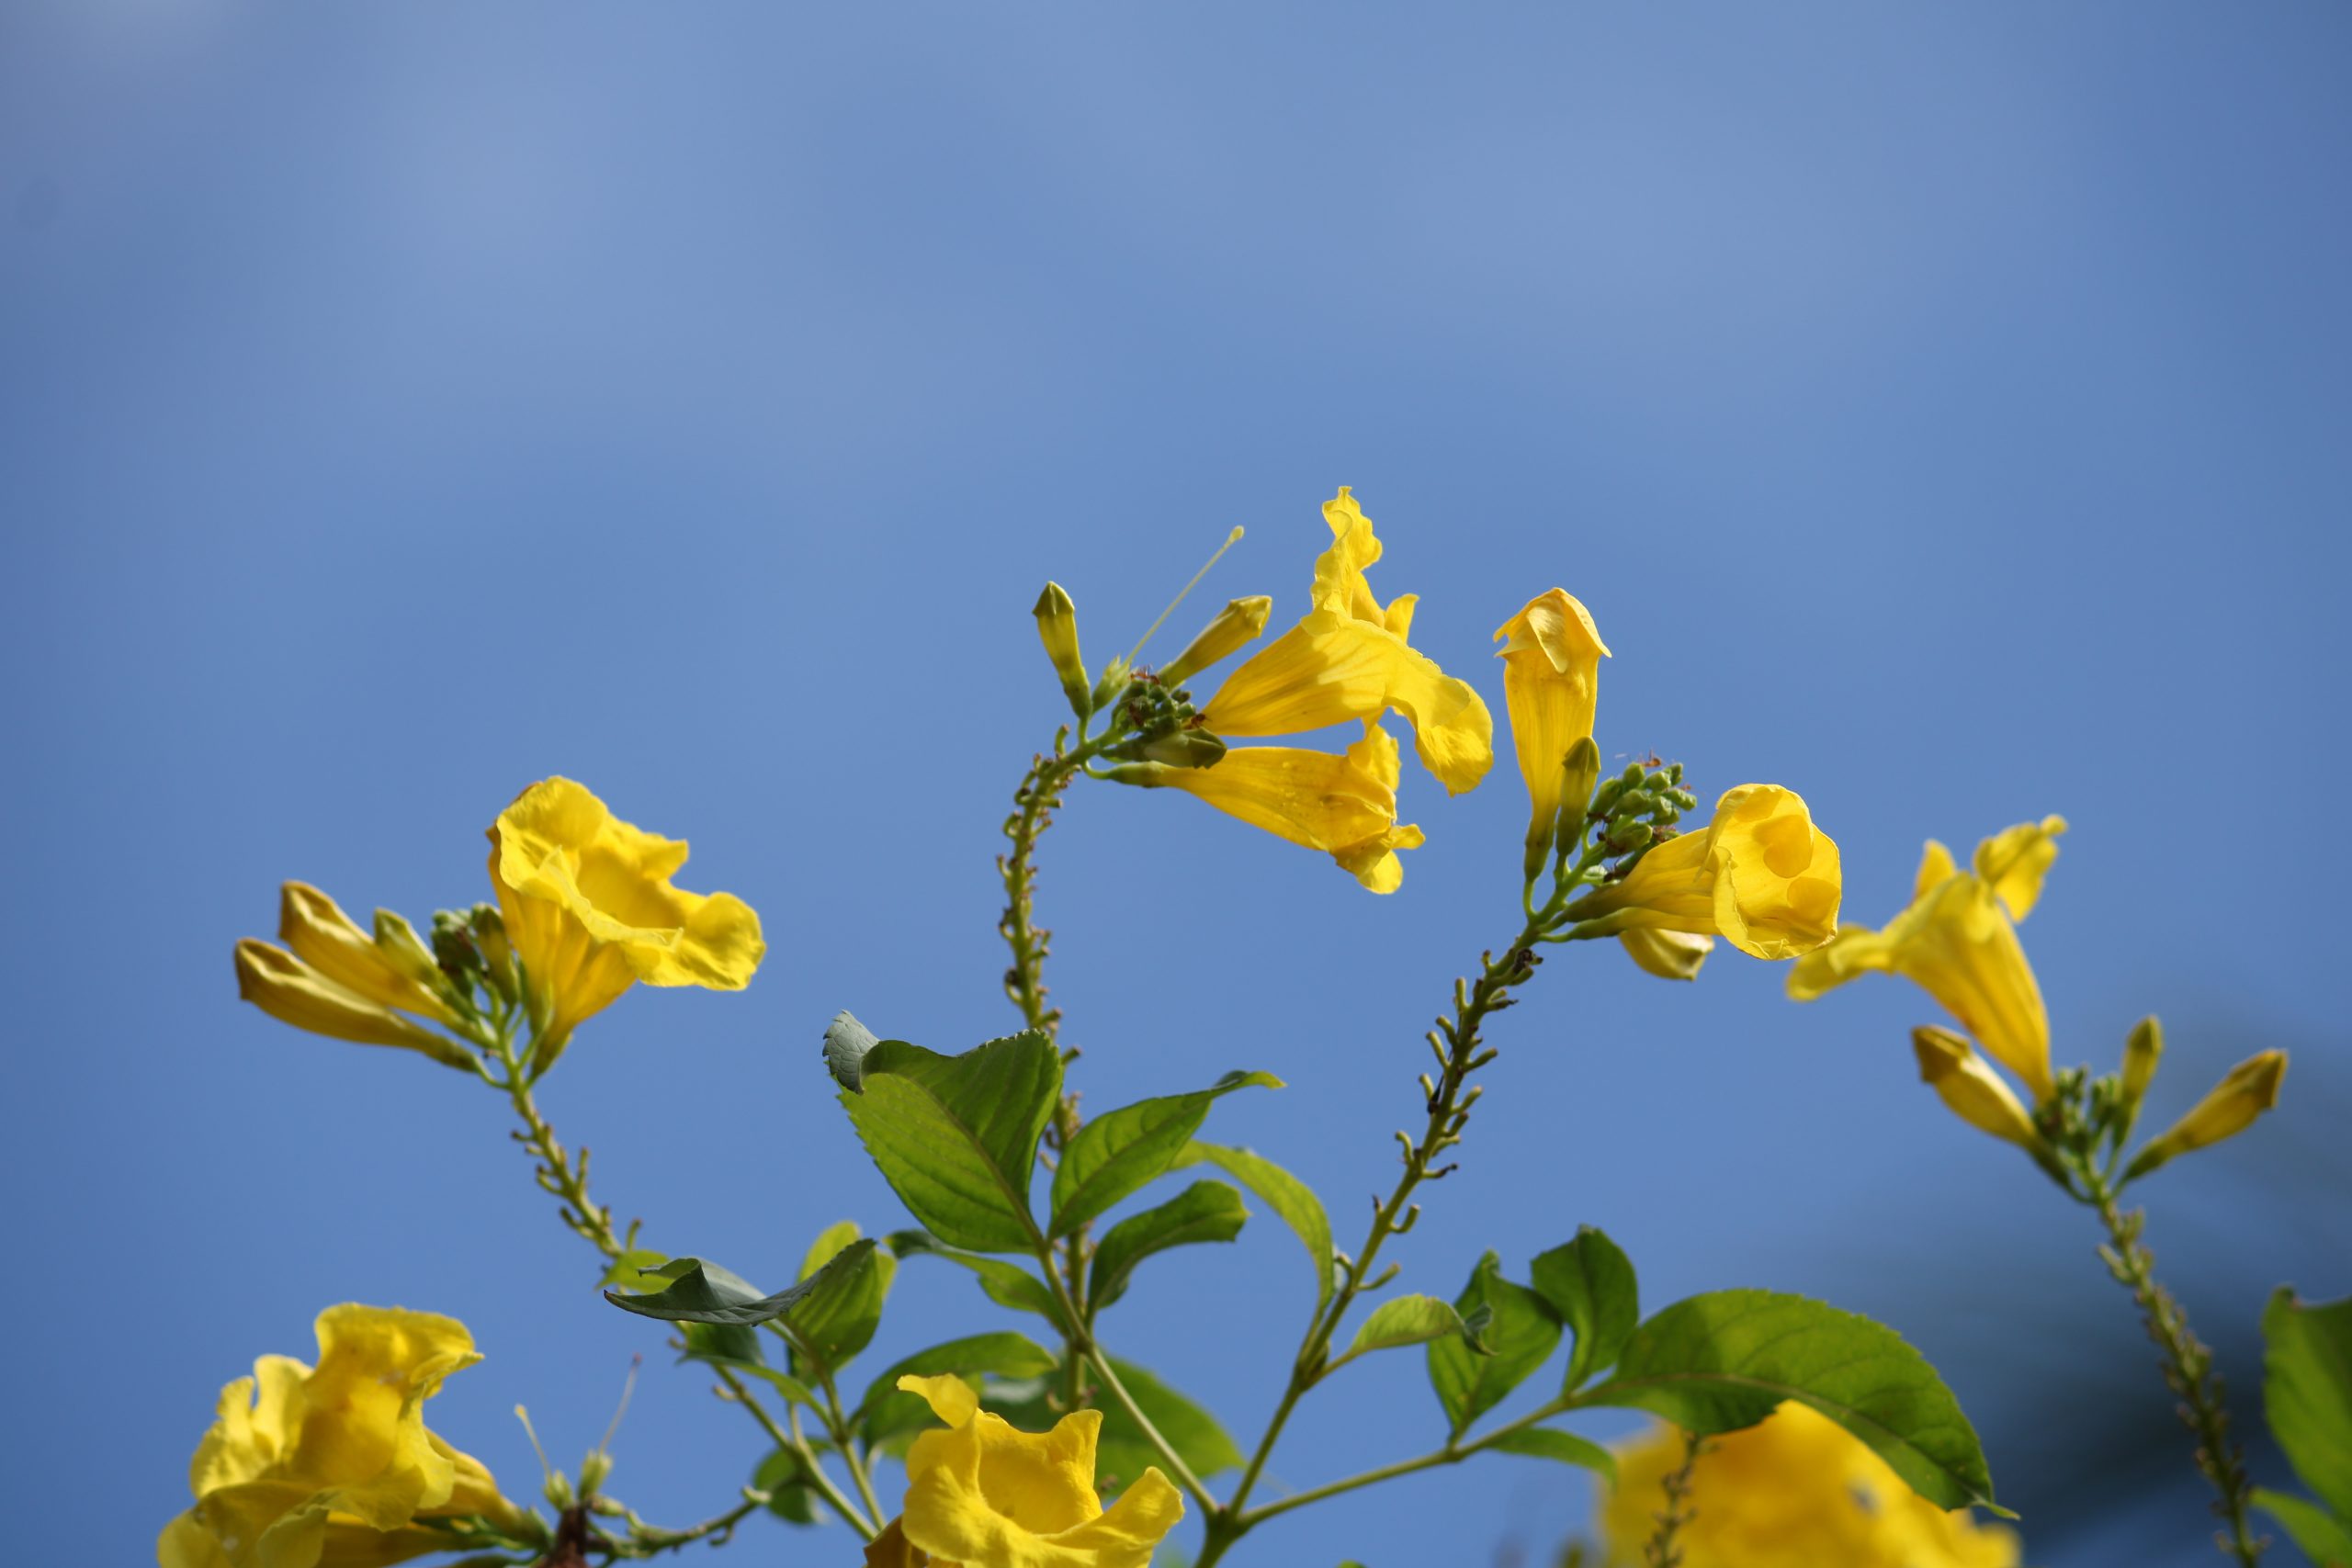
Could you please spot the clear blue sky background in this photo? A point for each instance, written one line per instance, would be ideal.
(1943, 410)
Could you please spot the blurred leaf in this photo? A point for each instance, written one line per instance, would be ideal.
(729, 1344)
(1114, 1155)
(956, 1136)
(634, 1269)
(1408, 1320)
(1006, 1284)
(1547, 1442)
(1207, 1210)
(887, 1411)
(1122, 1451)
(1725, 1361)
(846, 1043)
(2322, 1537)
(1589, 1282)
(1521, 1335)
(1284, 1193)
(2307, 1392)
(789, 1498)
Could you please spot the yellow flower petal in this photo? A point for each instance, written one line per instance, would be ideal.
(2228, 1109)
(292, 992)
(1970, 1090)
(1550, 655)
(2015, 860)
(330, 942)
(1344, 805)
(1669, 955)
(1760, 876)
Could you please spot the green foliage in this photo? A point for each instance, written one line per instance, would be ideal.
(784, 1478)
(956, 1136)
(1521, 1335)
(1589, 1282)
(2324, 1537)
(846, 1043)
(1117, 1153)
(1409, 1320)
(1207, 1210)
(1006, 1284)
(830, 1315)
(1545, 1442)
(1285, 1194)
(1723, 1360)
(1122, 1452)
(885, 1413)
(2307, 1394)
(700, 1292)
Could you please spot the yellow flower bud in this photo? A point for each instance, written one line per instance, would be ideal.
(2228, 1109)
(1237, 625)
(2141, 1055)
(330, 942)
(1970, 1088)
(292, 992)
(1550, 655)
(1058, 629)
(1669, 955)
(408, 953)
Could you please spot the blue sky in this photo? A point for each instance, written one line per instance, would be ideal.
(1943, 411)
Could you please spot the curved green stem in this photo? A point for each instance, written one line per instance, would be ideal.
(793, 1443)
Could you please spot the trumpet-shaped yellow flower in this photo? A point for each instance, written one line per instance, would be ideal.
(292, 992)
(1760, 876)
(588, 906)
(1669, 955)
(1796, 1491)
(1550, 655)
(1970, 1090)
(1344, 805)
(333, 1464)
(1956, 941)
(1240, 624)
(1349, 658)
(330, 942)
(2228, 1109)
(983, 1493)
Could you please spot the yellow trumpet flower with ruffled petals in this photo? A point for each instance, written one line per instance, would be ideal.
(588, 906)
(1349, 658)
(983, 1493)
(1957, 942)
(1550, 655)
(1795, 1490)
(1760, 876)
(333, 1464)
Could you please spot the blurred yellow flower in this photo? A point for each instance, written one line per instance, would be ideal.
(1760, 876)
(1344, 805)
(983, 1493)
(1550, 655)
(2228, 1109)
(589, 907)
(292, 992)
(1796, 1491)
(1956, 941)
(334, 1465)
(1970, 1090)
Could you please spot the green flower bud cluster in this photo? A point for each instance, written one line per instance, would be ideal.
(1166, 726)
(472, 951)
(1639, 806)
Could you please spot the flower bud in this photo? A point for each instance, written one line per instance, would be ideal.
(2228, 1109)
(1058, 629)
(293, 992)
(1580, 773)
(1970, 1088)
(1115, 676)
(1239, 623)
(489, 928)
(330, 942)
(1179, 748)
(2140, 1054)
(1669, 955)
(406, 952)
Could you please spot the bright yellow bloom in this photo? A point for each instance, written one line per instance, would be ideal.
(1760, 876)
(1797, 1491)
(1970, 1090)
(985, 1494)
(334, 1465)
(1550, 655)
(1349, 658)
(1956, 941)
(1240, 624)
(1669, 955)
(330, 942)
(589, 908)
(2228, 1109)
(292, 992)
(1344, 805)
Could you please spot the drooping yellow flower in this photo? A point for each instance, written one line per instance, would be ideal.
(1550, 655)
(333, 1465)
(1760, 876)
(1669, 955)
(589, 907)
(1349, 658)
(292, 992)
(1796, 1491)
(983, 1493)
(1970, 1090)
(1344, 805)
(2228, 1109)
(1956, 941)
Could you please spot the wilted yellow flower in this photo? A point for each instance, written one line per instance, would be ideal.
(1349, 658)
(1550, 655)
(985, 1494)
(334, 1465)
(589, 908)
(2228, 1109)
(292, 992)
(1760, 876)
(1797, 1491)
(1956, 941)
(1970, 1090)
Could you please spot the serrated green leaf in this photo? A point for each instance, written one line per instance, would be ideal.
(2322, 1537)
(1285, 1194)
(1547, 1442)
(2307, 1392)
(702, 1291)
(885, 1412)
(1521, 1335)
(1589, 1282)
(837, 1318)
(1117, 1153)
(832, 1314)
(956, 1136)
(846, 1043)
(1408, 1320)
(830, 1240)
(1006, 1284)
(1207, 1210)
(1122, 1452)
(1721, 1361)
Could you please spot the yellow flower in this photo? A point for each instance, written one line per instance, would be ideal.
(1760, 876)
(1669, 955)
(1550, 655)
(1956, 941)
(1240, 624)
(1970, 1090)
(292, 992)
(1349, 658)
(334, 1465)
(1796, 1491)
(589, 908)
(383, 971)
(984, 1495)
(2228, 1109)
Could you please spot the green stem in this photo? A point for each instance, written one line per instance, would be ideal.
(1083, 1344)
(1661, 1551)
(797, 1446)
(1453, 1453)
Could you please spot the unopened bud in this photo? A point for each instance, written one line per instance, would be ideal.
(2141, 1055)
(330, 943)
(489, 930)
(1058, 629)
(1564, 828)
(1970, 1088)
(1669, 955)
(595, 1471)
(1238, 623)
(1179, 748)
(293, 992)
(2228, 1109)
(1629, 837)
(1115, 676)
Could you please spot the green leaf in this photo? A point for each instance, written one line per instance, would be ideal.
(2307, 1392)
(1547, 1442)
(783, 1479)
(1521, 1335)
(2322, 1537)
(1207, 1210)
(1285, 1194)
(1721, 1361)
(701, 1292)
(1590, 1284)
(736, 1347)
(837, 1318)
(1006, 1284)
(887, 1412)
(635, 1270)
(1114, 1155)
(846, 1043)
(830, 1240)
(1122, 1450)
(956, 1136)
(1408, 1320)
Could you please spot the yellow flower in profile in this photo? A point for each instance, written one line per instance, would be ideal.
(1795, 1490)
(1550, 655)
(1760, 876)
(1344, 805)
(983, 1493)
(1970, 1090)
(333, 1465)
(588, 906)
(292, 992)
(2228, 1109)
(1957, 942)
